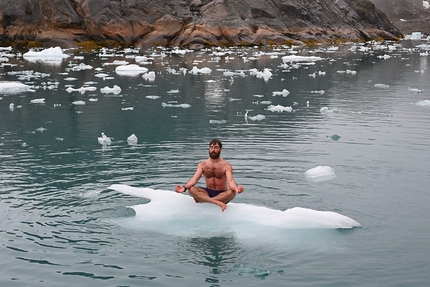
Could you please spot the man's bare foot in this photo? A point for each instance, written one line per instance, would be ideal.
(222, 205)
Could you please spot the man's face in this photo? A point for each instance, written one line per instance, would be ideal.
(214, 151)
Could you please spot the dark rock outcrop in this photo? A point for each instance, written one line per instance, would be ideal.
(192, 23)
(407, 15)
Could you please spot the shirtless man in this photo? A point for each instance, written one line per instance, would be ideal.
(217, 173)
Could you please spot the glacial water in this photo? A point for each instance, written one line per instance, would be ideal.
(342, 133)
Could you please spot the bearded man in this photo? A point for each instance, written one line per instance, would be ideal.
(218, 173)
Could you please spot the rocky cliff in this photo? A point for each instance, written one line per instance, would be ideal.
(191, 23)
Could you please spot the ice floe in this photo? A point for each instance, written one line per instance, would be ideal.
(52, 55)
(320, 173)
(7, 87)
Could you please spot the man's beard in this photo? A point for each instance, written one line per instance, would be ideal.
(214, 155)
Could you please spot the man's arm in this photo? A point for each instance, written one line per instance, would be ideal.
(196, 177)
(231, 183)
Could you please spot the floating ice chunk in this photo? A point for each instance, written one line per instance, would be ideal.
(294, 58)
(279, 109)
(258, 117)
(152, 97)
(12, 87)
(321, 92)
(217, 122)
(38, 101)
(320, 173)
(424, 103)
(101, 75)
(80, 67)
(265, 74)
(175, 105)
(82, 90)
(195, 70)
(115, 90)
(382, 86)
(79, 103)
(150, 76)
(414, 36)
(70, 79)
(49, 55)
(416, 91)
(127, 109)
(104, 140)
(283, 93)
(173, 91)
(132, 140)
(11, 107)
(41, 129)
(130, 70)
(326, 110)
(117, 62)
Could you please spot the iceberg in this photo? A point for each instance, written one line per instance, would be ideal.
(54, 55)
(115, 90)
(7, 87)
(130, 70)
(279, 109)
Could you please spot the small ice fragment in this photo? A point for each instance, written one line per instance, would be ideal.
(424, 103)
(38, 101)
(258, 117)
(114, 90)
(217, 122)
(184, 106)
(283, 93)
(150, 76)
(320, 173)
(132, 140)
(279, 109)
(79, 103)
(382, 86)
(104, 140)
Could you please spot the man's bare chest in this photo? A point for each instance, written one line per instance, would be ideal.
(214, 171)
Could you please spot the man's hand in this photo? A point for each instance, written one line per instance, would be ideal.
(180, 188)
(240, 189)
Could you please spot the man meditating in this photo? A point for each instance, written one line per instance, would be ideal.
(217, 173)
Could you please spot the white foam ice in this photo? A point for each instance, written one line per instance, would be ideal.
(114, 90)
(295, 58)
(150, 76)
(7, 87)
(104, 140)
(175, 105)
(424, 103)
(38, 101)
(265, 74)
(81, 90)
(283, 93)
(279, 109)
(130, 70)
(320, 173)
(196, 71)
(171, 208)
(132, 140)
(53, 55)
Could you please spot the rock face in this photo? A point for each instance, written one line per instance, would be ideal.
(192, 23)
(407, 15)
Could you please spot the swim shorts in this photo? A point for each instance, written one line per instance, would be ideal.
(212, 192)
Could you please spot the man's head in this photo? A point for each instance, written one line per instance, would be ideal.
(215, 147)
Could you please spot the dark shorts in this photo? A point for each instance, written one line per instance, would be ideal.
(213, 192)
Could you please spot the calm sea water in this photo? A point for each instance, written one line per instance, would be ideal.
(361, 110)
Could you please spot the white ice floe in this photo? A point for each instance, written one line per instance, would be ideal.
(415, 91)
(294, 58)
(175, 105)
(152, 97)
(258, 117)
(80, 67)
(283, 93)
(81, 90)
(132, 140)
(321, 92)
(115, 90)
(381, 86)
(130, 70)
(320, 173)
(195, 70)
(38, 101)
(150, 76)
(7, 87)
(279, 109)
(265, 74)
(414, 36)
(79, 103)
(424, 103)
(55, 55)
(117, 62)
(326, 110)
(104, 140)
